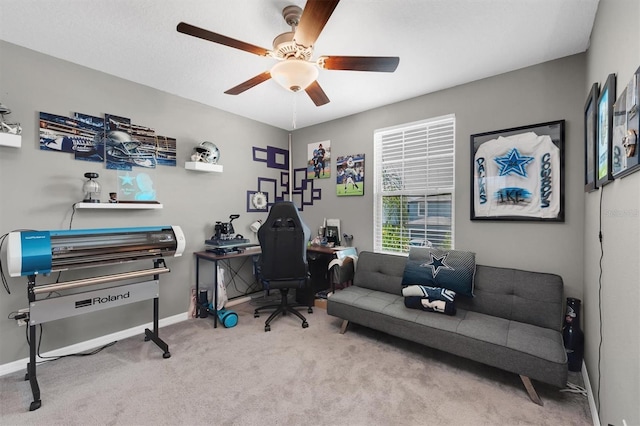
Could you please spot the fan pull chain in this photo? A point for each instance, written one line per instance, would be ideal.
(293, 121)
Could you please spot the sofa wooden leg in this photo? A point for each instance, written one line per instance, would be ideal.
(531, 390)
(343, 328)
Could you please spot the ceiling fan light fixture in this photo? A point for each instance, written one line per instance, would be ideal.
(294, 74)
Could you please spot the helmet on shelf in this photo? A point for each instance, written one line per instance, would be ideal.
(206, 152)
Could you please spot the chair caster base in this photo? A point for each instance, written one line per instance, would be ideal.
(305, 324)
(166, 355)
(35, 405)
(310, 310)
(267, 328)
(256, 315)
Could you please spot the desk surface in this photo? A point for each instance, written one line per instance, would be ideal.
(325, 249)
(208, 255)
(249, 251)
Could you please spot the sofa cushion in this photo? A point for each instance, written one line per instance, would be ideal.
(382, 272)
(450, 269)
(523, 296)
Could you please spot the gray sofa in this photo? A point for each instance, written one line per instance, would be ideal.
(514, 321)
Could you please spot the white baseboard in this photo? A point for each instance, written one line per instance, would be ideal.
(21, 364)
(592, 402)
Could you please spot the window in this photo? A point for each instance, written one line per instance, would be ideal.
(414, 185)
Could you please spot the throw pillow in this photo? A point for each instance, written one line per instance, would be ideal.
(451, 269)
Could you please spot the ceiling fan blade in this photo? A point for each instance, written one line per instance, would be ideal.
(316, 94)
(359, 63)
(315, 15)
(249, 83)
(194, 31)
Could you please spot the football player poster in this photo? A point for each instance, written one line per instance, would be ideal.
(319, 160)
(350, 175)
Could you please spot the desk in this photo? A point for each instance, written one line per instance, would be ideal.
(215, 258)
(318, 258)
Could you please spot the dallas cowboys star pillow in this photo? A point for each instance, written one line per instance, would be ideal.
(450, 269)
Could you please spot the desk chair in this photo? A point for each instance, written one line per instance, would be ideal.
(283, 263)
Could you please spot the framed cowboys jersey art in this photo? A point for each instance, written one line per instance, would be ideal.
(518, 173)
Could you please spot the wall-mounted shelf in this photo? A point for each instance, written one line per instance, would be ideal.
(203, 167)
(116, 206)
(9, 139)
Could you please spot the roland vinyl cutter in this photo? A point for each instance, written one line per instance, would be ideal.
(37, 253)
(43, 252)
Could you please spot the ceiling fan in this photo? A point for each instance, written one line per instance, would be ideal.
(294, 49)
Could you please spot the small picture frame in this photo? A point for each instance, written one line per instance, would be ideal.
(605, 130)
(590, 137)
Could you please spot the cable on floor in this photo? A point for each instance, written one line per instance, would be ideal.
(571, 388)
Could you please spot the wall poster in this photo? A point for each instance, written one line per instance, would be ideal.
(319, 160)
(350, 175)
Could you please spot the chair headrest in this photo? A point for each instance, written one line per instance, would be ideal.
(283, 215)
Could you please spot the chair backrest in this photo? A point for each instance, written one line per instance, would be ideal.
(283, 240)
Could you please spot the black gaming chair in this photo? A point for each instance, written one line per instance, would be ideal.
(283, 264)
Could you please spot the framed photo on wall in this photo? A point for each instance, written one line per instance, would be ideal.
(590, 137)
(518, 173)
(626, 123)
(319, 160)
(605, 124)
(350, 175)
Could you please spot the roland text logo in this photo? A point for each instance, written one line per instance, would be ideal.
(100, 300)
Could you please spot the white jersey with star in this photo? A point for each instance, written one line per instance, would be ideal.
(517, 175)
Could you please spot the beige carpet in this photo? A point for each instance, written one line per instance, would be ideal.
(288, 376)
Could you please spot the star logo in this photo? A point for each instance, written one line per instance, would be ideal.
(437, 263)
(513, 162)
(126, 179)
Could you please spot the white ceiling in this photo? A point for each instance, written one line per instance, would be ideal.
(441, 44)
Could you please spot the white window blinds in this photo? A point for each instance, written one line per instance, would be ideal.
(414, 174)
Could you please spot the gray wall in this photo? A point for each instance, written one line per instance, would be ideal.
(615, 48)
(546, 92)
(38, 188)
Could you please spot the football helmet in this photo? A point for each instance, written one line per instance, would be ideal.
(629, 143)
(206, 152)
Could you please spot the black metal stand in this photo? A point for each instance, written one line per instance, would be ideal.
(33, 344)
(31, 366)
(153, 335)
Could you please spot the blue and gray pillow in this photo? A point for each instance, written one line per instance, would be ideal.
(451, 269)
